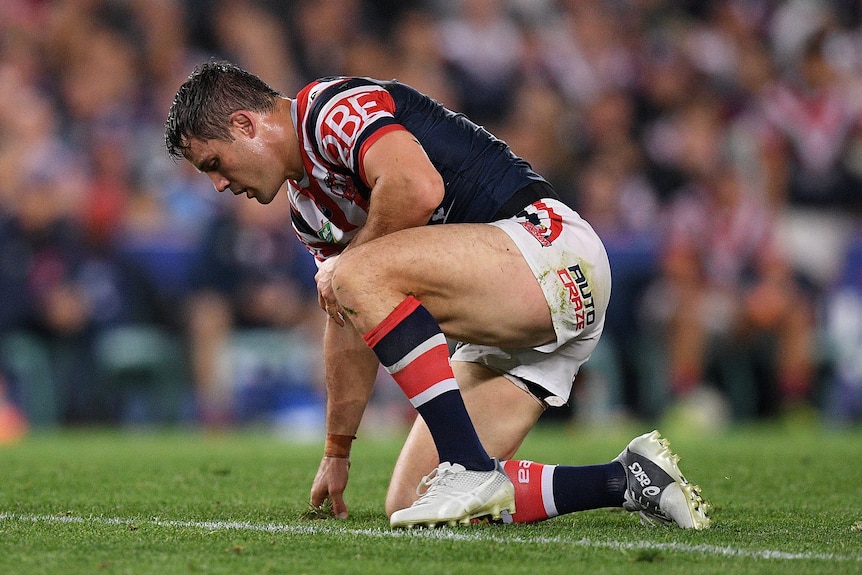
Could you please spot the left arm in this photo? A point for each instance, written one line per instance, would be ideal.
(351, 370)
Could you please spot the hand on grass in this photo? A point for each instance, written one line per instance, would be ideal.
(330, 483)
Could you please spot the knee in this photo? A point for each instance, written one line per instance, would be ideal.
(345, 277)
(357, 269)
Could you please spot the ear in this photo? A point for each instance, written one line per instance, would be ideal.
(244, 122)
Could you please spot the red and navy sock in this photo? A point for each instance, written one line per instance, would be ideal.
(545, 491)
(413, 349)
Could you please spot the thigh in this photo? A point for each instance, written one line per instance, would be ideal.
(501, 412)
(471, 277)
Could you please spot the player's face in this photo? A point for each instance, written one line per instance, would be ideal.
(242, 165)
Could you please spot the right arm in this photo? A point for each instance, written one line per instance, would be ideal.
(351, 369)
(350, 373)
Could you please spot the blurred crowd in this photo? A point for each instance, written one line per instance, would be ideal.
(716, 146)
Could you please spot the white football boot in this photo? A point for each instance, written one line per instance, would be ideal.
(656, 487)
(454, 495)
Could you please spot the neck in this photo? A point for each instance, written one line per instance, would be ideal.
(292, 157)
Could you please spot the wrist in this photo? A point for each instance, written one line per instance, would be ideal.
(338, 446)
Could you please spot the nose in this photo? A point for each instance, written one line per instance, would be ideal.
(220, 182)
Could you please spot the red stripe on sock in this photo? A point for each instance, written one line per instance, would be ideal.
(526, 476)
(425, 371)
(402, 310)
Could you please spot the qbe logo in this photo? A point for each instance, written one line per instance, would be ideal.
(580, 295)
(343, 119)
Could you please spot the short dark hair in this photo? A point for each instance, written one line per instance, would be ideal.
(205, 101)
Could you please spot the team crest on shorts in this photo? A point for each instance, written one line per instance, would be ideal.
(542, 222)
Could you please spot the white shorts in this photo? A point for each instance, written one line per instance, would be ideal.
(570, 263)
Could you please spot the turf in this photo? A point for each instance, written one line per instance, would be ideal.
(785, 500)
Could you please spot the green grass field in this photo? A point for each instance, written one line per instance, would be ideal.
(785, 501)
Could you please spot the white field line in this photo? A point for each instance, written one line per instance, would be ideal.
(440, 534)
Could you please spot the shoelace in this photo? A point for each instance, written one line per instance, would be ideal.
(436, 477)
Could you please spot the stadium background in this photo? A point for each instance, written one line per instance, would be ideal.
(715, 146)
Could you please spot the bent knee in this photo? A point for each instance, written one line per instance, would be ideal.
(344, 282)
(355, 268)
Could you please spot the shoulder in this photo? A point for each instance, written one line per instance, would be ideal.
(337, 115)
(343, 107)
(339, 96)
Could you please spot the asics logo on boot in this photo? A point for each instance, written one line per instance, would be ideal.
(641, 476)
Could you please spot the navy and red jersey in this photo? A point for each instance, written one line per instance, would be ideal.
(338, 119)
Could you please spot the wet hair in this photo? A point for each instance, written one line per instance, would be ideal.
(205, 101)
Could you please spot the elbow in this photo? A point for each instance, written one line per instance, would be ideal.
(430, 195)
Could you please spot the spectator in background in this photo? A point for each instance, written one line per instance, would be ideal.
(325, 31)
(582, 53)
(843, 328)
(247, 32)
(482, 47)
(62, 286)
(46, 308)
(618, 197)
(725, 283)
(420, 62)
(810, 132)
(539, 128)
(253, 273)
(810, 117)
(612, 188)
(42, 251)
(667, 81)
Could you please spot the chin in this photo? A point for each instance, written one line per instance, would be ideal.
(265, 199)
